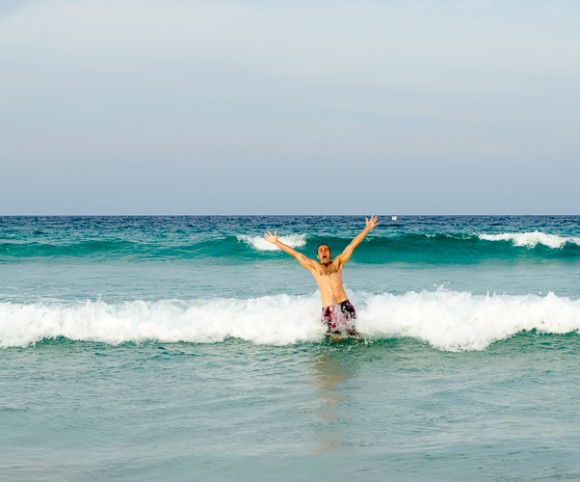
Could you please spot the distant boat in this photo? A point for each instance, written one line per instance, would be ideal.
(393, 218)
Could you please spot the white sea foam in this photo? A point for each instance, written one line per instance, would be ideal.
(269, 320)
(259, 243)
(447, 320)
(532, 239)
(455, 321)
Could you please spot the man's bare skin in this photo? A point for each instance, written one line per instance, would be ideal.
(326, 271)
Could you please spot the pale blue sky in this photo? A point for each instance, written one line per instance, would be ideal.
(331, 107)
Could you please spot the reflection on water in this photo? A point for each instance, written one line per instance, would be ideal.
(333, 371)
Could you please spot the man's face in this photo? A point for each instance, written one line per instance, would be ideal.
(324, 254)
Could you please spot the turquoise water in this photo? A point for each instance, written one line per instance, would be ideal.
(181, 348)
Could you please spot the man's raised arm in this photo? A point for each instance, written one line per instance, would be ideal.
(347, 253)
(303, 260)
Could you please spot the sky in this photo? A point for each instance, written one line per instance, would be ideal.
(289, 107)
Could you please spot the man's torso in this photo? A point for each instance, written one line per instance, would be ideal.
(329, 280)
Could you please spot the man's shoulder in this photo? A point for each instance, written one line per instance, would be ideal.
(312, 264)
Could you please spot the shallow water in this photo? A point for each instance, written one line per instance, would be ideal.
(395, 408)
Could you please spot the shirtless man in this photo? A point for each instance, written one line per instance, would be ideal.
(337, 311)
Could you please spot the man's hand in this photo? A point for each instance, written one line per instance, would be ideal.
(271, 238)
(371, 223)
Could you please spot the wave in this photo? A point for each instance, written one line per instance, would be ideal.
(447, 320)
(412, 248)
(260, 244)
(532, 239)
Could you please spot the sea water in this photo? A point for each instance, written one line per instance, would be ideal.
(188, 348)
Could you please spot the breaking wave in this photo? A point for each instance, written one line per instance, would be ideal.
(260, 244)
(411, 248)
(447, 320)
(532, 239)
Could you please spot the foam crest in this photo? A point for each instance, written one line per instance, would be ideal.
(455, 321)
(269, 320)
(447, 320)
(532, 239)
(259, 243)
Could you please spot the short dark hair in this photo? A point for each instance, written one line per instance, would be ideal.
(323, 244)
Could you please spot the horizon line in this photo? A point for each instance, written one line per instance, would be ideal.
(286, 214)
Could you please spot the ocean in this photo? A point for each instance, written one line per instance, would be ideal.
(188, 348)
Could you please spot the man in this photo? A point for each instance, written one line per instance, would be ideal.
(337, 311)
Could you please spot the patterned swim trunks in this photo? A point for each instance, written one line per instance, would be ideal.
(339, 318)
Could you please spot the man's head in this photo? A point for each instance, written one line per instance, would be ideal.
(323, 254)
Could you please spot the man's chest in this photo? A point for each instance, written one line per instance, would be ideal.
(330, 270)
